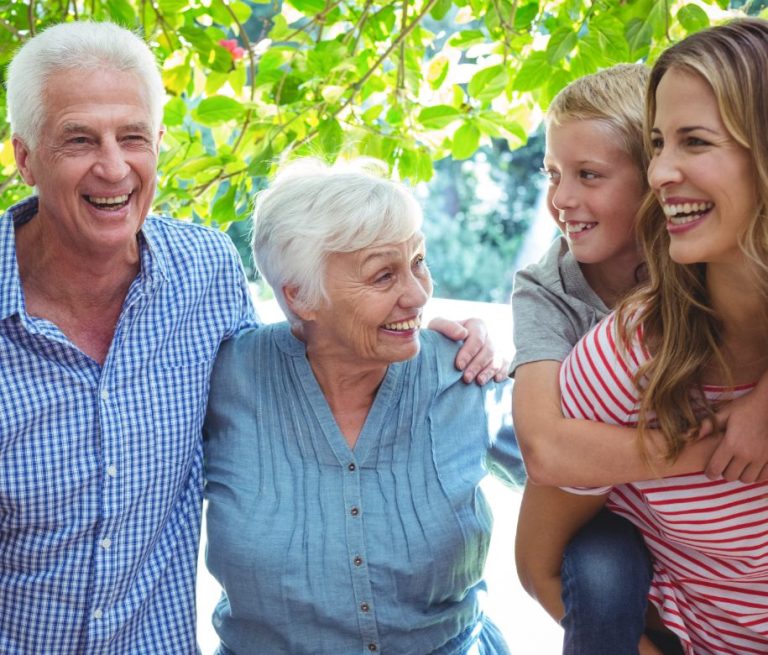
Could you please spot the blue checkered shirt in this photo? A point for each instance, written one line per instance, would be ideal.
(101, 466)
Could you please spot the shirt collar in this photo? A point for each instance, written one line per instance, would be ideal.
(154, 267)
(11, 296)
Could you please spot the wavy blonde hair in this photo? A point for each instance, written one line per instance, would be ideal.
(680, 327)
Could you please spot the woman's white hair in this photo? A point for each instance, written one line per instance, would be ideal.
(312, 210)
(81, 45)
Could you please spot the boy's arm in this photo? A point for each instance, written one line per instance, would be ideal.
(743, 450)
(476, 357)
(562, 451)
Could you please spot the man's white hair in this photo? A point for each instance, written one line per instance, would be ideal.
(81, 45)
(312, 210)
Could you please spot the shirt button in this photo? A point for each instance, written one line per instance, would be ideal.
(106, 543)
(372, 648)
(364, 606)
(111, 470)
(358, 560)
(97, 614)
(354, 511)
(104, 394)
(351, 466)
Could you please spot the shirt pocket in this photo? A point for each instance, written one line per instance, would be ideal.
(165, 435)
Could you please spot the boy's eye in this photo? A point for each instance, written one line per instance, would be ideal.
(551, 175)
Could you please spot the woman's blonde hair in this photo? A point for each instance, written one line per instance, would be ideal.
(614, 96)
(680, 328)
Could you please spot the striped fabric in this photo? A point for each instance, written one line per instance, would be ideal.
(709, 539)
(101, 466)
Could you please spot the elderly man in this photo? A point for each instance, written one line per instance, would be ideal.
(109, 322)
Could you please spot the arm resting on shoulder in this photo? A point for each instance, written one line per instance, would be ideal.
(743, 452)
(477, 357)
(561, 451)
(549, 517)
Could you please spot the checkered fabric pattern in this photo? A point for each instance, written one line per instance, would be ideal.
(101, 466)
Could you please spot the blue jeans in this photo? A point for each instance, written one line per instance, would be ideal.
(606, 575)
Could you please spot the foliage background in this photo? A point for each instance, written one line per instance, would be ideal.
(453, 86)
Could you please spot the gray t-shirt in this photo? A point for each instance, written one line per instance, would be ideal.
(552, 307)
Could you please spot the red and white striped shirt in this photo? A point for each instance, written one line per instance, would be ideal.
(709, 539)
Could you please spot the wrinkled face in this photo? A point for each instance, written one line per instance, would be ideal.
(595, 190)
(375, 300)
(703, 179)
(95, 163)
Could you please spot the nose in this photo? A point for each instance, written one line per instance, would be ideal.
(562, 196)
(663, 169)
(417, 289)
(111, 164)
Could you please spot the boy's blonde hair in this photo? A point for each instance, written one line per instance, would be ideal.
(614, 96)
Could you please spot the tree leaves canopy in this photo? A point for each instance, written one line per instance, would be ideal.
(409, 82)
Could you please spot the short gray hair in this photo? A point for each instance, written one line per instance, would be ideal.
(81, 45)
(312, 210)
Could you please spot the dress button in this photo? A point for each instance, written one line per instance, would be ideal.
(352, 466)
(372, 648)
(106, 543)
(104, 394)
(364, 606)
(111, 470)
(358, 560)
(354, 511)
(97, 614)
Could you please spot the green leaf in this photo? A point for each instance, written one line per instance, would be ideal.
(309, 7)
(561, 43)
(524, 16)
(639, 34)
(195, 166)
(693, 18)
(488, 83)
(331, 136)
(372, 113)
(440, 9)
(174, 112)
(121, 12)
(437, 70)
(241, 10)
(223, 210)
(467, 38)
(217, 109)
(177, 78)
(533, 73)
(438, 117)
(171, 7)
(466, 141)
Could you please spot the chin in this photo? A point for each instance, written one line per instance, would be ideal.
(404, 354)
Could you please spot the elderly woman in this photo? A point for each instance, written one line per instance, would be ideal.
(344, 453)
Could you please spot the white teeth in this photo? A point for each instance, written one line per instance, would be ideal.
(403, 325)
(572, 228)
(687, 211)
(114, 200)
